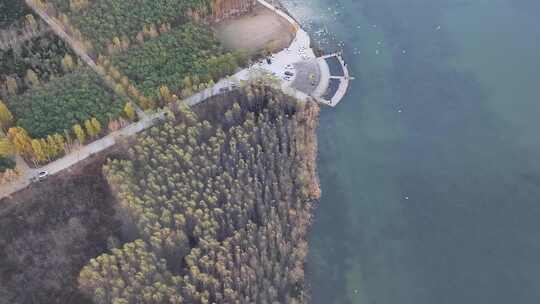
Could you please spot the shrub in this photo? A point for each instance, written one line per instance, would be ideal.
(6, 163)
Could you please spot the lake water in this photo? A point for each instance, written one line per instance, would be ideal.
(430, 168)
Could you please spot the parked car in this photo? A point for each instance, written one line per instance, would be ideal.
(289, 73)
(41, 175)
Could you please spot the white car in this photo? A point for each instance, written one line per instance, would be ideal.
(40, 176)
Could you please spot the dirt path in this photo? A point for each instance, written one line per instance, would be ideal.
(77, 46)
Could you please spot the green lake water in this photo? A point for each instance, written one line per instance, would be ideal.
(430, 167)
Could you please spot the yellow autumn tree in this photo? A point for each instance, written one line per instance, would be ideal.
(6, 118)
(130, 111)
(125, 82)
(96, 125)
(60, 143)
(12, 86)
(53, 150)
(31, 21)
(89, 128)
(67, 63)
(119, 89)
(117, 44)
(79, 133)
(6, 147)
(21, 140)
(37, 151)
(32, 78)
(165, 93)
(48, 150)
(115, 74)
(133, 92)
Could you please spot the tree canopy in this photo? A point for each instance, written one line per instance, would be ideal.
(62, 102)
(221, 206)
(190, 51)
(102, 20)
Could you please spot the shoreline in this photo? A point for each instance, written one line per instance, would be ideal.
(301, 50)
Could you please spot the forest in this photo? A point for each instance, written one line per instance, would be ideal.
(220, 200)
(57, 105)
(185, 60)
(102, 20)
(34, 61)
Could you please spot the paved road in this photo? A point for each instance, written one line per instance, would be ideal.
(297, 51)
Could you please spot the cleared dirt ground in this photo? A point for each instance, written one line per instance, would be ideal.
(260, 30)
